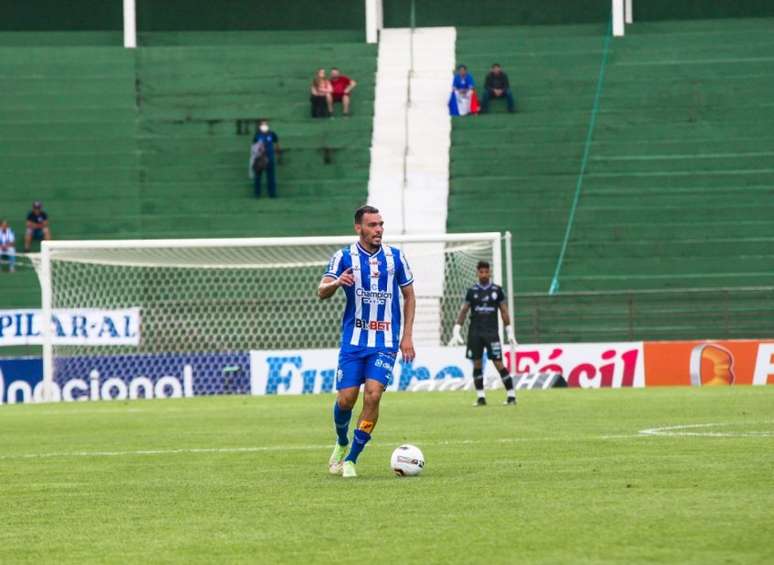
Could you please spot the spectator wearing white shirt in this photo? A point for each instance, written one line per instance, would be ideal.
(7, 246)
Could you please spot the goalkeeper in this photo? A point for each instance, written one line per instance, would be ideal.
(483, 300)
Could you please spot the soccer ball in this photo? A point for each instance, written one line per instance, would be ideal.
(407, 461)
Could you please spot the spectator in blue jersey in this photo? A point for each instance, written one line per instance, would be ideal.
(7, 246)
(373, 277)
(37, 225)
(264, 155)
(463, 99)
(497, 86)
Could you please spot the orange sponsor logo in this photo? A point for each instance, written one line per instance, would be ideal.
(711, 365)
(366, 425)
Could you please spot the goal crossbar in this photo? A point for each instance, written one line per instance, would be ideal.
(259, 241)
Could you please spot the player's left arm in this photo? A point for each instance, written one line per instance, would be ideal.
(409, 308)
(511, 337)
(277, 148)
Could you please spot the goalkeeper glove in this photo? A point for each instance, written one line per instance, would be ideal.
(456, 336)
(510, 336)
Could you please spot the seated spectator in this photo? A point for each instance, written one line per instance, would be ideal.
(322, 96)
(463, 100)
(7, 246)
(341, 86)
(497, 86)
(37, 226)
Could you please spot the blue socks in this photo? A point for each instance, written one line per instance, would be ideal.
(359, 441)
(341, 418)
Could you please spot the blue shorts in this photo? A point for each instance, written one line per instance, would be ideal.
(357, 366)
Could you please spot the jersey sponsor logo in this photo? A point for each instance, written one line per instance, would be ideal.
(373, 325)
(374, 297)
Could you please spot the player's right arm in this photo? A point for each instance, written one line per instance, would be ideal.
(463, 314)
(457, 329)
(329, 284)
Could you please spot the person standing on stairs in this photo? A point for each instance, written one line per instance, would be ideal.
(264, 156)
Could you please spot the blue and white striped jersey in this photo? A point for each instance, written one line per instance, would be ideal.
(372, 316)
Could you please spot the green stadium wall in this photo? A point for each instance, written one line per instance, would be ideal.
(203, 15)
(182, 15)
(397, 13)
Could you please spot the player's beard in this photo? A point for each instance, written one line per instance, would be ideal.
(372, 241)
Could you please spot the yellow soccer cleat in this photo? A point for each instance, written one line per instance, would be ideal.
(337, 458)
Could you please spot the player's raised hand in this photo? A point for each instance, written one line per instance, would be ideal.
(407, 348)
(346, 278)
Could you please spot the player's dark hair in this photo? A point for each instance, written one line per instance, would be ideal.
(482, 265)
(362, 211)
(460, 67)
(496, 65)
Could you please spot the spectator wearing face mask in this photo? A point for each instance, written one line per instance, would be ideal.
(263, 158)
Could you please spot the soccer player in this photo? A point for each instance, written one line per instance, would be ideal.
(373, 276)
(483, 300)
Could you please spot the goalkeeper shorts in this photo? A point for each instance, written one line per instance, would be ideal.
(478, 342)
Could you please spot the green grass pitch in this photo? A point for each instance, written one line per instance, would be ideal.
(566, 477)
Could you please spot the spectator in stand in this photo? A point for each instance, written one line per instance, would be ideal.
(37, 226)
(497, 86)
(7, 246)
(341, 86)
(321, 95)
(264, 156)
(463, 100)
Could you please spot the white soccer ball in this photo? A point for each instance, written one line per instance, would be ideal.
(407, 461)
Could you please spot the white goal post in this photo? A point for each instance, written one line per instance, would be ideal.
(374, 19)
(194, 296)
(622, 14)
(130, 24)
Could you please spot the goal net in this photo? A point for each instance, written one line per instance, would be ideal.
(237, 295)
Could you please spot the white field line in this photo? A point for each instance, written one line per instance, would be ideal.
(668, 431)
(687, 431)
(250, 449)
